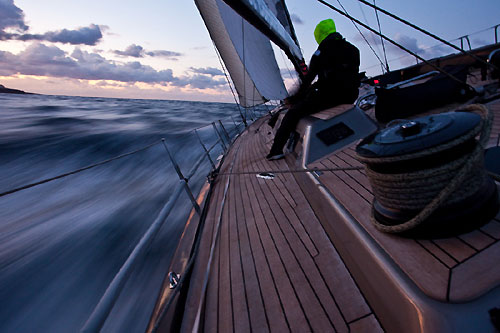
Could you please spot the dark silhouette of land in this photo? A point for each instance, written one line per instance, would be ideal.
(6, 90)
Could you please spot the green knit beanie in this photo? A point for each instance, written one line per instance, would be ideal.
(323, 29)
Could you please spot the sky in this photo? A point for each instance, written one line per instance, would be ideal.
(161, 49)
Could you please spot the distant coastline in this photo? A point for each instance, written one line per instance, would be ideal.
(6, 90)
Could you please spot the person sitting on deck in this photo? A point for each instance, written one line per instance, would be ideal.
(336, 63)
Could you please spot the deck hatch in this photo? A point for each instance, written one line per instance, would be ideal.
(335, 133)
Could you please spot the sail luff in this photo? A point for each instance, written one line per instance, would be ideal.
(246, 52)
(258, 13)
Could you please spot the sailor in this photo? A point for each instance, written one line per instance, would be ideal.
(336, 64)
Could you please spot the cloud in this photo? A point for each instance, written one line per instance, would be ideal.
(296, 19)
(133, 50)
(13, 27)
(90, 35)
(42, 60)
(199, 81)
(11, 17)
(207, 70)
(137, 51)
(164, 54)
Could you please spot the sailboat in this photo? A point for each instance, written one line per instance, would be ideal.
(319, 241)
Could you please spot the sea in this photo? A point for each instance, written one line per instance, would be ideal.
(63, 241)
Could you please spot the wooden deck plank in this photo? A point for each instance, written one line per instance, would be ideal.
(199, 269)
(366, 325)
(441, 255)
(258, 320)
(359, 175)
(331, 267)
(211, 306)
(492, 229)
(289, 210)
(477, 276)
(334, 162)
(267, 283)
(425, 270)
(309, 303)
(292, 308)
(455, 248)
(289, 244)
(240, 311)
(477, 240)
(223, 278)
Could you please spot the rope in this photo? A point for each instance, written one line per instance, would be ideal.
(78, 170)
(430, 189)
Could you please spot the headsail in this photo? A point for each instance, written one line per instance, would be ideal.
(246, 52)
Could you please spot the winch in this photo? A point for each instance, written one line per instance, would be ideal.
(427, 174)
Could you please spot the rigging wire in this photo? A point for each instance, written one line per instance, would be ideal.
(366, 40)
(397, 44)
(425, 32)
(229, 83)
(381, 39)
(372, 36)
(431, 47)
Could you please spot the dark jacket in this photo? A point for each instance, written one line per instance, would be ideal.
(336, 63)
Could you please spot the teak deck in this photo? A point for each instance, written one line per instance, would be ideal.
(273, 266)
(266, 263)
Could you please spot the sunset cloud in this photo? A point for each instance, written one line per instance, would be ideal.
(207, 70)
(13, 27)
(137, 51)
(90, 35)
(51, 61)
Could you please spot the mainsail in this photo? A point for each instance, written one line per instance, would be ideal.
(271, 17)
(247, 53)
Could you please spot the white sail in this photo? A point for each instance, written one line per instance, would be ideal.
(246, 52)
(268, 17)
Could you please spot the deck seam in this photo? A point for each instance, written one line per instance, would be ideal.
(312, 257)
(435, 256)
(286, 269)
(240, 256)
(349, 271)
(266, 222)
(343, 181)
(259, 232)
(293, 210)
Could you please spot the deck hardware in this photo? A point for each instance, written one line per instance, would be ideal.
(173, 278)
(466, 37)
(265, 175)
(317, 173)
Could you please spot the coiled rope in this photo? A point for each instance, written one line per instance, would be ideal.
(427, 190)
